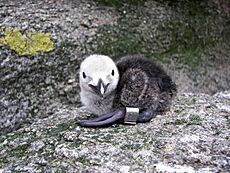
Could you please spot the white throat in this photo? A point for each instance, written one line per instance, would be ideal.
(97, 104)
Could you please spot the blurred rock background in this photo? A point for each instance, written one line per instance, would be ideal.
(190, 39)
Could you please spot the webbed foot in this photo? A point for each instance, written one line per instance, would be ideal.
(145, 116)
(104, 120)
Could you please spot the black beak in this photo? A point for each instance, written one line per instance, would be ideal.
(100, 88)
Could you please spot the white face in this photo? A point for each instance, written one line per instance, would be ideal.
(98, 74)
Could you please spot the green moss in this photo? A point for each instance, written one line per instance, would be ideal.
(55, 131)
(78, 142)
(120, 40)
(189, 7)
(104, 138)
(194, 120)
(62, 168)
(126, 38)
(21, 150)
(193, 34)
(143, 141)
(83, 160)
(15, 135)
(189, 36)
(178, 110)
(119, 3)
(65, 48)
(184, 43)
(132, 147)
(27, 44)
(180, 121)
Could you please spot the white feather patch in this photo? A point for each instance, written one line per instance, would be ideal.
(102, 89)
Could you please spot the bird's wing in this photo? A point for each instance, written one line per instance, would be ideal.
(134, 89)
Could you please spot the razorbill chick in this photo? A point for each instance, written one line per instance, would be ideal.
(132, 91)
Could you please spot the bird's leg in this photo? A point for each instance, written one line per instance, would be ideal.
(146, 116)
(104, 121)
(100, 118)
(118, 116)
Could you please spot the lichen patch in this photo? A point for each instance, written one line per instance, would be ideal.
(26, 44)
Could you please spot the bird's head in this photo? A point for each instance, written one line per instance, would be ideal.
(99, 75)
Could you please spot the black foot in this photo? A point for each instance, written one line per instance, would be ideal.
(104, 120)
(145, 116)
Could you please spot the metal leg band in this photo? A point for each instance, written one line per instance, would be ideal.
(131, 115)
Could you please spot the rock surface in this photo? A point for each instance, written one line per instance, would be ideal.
(36, 86)
(39, 98)
(192, 137)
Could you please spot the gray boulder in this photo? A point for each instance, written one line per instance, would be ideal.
(192, 137)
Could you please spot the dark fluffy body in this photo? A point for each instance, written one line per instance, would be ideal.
(143, 84)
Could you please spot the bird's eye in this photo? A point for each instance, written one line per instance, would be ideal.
(112, 73)
(84, 75)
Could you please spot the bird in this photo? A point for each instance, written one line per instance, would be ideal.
(133, 90)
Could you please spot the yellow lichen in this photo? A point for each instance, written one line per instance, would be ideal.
(27, 44)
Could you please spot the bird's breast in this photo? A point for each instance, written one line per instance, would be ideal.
(96, 104)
